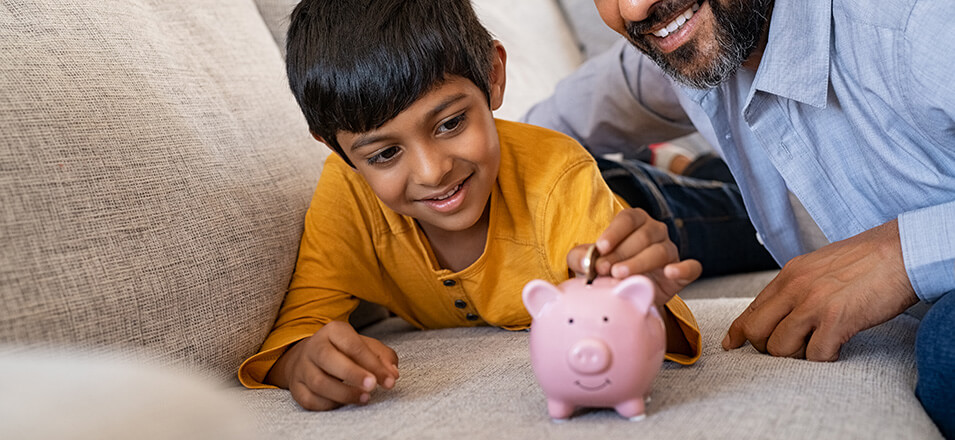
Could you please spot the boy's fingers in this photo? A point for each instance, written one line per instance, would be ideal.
(575, 258)
(320, 392)
(388, 357)
(365, 360)
(342, 369)
(621, 227)
(653, 257)
(684, 272)
(308, 399)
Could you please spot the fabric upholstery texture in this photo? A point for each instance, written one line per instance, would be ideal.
(477, 383)
(155, 172)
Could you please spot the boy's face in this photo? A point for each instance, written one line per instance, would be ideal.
(436, 161)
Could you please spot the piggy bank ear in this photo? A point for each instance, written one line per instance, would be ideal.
(538, 293)
(638, 290)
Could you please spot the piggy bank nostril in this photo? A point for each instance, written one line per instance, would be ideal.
(589, 356)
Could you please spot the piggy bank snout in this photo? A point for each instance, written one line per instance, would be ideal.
(589, 356)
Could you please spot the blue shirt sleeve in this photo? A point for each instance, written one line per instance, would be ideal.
(616, 102)
(928, 249)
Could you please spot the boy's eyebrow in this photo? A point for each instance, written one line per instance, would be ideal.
(372, 138)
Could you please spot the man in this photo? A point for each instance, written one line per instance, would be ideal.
(838, 107)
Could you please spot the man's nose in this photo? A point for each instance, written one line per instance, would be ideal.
(635, 10)
(617, 13)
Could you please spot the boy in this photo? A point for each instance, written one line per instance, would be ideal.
(430, 206)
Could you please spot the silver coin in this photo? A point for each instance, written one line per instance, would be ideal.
(590, 263)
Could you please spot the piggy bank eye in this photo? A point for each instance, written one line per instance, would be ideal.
(606, 319)
(570, 321)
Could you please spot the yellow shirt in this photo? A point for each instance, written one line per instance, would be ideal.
(548, 198)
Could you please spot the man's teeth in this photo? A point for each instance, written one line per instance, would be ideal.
(678, 21)
(449, 194)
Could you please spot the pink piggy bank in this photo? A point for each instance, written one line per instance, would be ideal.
(595, 345)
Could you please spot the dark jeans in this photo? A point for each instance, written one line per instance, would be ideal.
(935, 361)
(703, 211)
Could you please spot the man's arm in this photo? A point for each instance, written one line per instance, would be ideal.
(618, 101)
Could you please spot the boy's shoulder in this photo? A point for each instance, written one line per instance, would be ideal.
(536, 161)
(525, 142)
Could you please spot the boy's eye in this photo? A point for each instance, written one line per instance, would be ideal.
(451, 124)
(383, 156)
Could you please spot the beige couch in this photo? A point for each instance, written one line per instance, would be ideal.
(154, 172)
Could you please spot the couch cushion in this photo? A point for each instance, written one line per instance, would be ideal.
(155, 173)
(540, 51)
(477, 383)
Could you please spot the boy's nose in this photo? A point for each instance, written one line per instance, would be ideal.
(433, 166)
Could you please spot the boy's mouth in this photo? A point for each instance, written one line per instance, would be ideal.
(450, 199)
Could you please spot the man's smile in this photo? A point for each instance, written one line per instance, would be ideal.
(677, 22)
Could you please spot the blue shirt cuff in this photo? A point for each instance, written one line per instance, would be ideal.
(928, 250)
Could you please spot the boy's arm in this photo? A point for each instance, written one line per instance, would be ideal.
(336, 260)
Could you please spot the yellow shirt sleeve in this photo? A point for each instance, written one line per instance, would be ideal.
(336, 261)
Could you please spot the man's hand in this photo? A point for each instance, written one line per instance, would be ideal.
(820, 300)
(635, 243)
(336, 366)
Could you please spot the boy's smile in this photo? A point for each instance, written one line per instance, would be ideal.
(436, 161)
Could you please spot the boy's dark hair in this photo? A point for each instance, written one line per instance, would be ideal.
(353, 65)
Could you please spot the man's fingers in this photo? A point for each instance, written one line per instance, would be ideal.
(736, 336)
(824, 345)
(756, 325)
(790, 336)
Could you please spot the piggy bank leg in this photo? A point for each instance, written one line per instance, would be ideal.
(633, 409)
(559, 410)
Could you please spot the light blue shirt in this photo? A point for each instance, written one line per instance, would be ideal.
(852, 110)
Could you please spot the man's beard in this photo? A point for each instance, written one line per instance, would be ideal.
(738, 28)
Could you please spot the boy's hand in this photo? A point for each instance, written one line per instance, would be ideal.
(635, 243)
(336, 366)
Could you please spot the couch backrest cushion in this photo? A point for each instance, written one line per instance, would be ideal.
(154, 173)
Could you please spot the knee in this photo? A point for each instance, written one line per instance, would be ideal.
(935, 360)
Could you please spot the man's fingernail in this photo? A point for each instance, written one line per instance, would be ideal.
(389, 383)
(726, 341)
(369, 383)
(364, 398)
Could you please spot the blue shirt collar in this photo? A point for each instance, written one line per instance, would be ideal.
(795, 62)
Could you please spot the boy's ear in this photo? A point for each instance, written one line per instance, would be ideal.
(497, 77)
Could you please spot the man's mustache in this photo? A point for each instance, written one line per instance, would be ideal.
(664, 10)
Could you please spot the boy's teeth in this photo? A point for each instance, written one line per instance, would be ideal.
(450, 193)
(677, 22)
